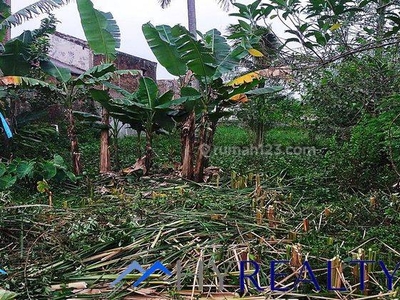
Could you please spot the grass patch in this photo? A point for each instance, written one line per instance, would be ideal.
(230, 135)
(287, 136)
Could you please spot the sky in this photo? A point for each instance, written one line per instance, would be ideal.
(130, 16)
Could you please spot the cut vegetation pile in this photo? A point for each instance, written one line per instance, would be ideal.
(77, 253)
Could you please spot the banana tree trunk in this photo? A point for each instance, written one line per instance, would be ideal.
(259, 139)
(210, 141)
(105, 164)
(202, 151)
(149, 152)
(187, 142)
(75, 154)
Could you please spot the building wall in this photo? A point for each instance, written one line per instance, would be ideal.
(71, 51)
(129, 62)
(75, 53)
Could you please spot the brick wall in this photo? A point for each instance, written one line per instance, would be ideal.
(129, 62)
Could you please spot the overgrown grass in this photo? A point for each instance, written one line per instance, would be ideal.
(232, 135)
(164, 217)
(287, 136)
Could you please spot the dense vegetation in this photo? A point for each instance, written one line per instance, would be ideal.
(263, 166)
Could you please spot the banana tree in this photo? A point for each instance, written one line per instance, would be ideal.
(67, 89)
(102, 34)
(146, 109)
(208, 60)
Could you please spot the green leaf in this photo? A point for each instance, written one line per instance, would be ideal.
(59, 162)
(5, 13)
(14, 60)
(96, 74)
(226, 60)
(289, 40)
(61, 74)
(164, 98)
(86, 116)
(177, 102)
(215, 116)
(7, 295)
(187, 94)
(101, 30)
(263, 91)
(162, 43)
(101, 96)
(245, 25)
(3, 169)
(6, 182)
(31, 11)
(70, 175)
(147, 92)
(26, 37)
(49, 170)
(320, 38)
(42, 186)
(112, 27)
(198, 57)
(25, 168)
(117, 88)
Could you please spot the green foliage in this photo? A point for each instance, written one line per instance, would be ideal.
(61, 74)
(327, 32)
(18, 170)
(371, 150)
(7, 295)
(250, 35)
(354, 104)
(264, 112)
(24, 53)
(208, 58)
(28, 12)
(160, 40)
(288, 136)
(230, 135)
(14, 59)
(226, 58)
(144, 110)
(101, 30)
(341, 94)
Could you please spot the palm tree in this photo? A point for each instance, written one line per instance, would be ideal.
(191, 7)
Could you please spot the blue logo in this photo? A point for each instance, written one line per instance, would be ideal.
(157, 266)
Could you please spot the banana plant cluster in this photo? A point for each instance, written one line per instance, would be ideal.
(144, 110)
(103, 36)
(202, 65)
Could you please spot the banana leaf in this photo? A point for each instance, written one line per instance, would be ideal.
(101, 30)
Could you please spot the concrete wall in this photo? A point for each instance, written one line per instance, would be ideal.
(70, 51)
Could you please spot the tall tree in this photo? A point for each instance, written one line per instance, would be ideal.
(191, 7)
(103, 36)
(188, 126)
